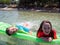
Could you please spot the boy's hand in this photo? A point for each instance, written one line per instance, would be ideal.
(30, 32)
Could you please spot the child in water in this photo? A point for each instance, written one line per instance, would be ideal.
(46, 32)
(25, 28)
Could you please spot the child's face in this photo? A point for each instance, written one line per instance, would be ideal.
(12, 30)
(46, 28)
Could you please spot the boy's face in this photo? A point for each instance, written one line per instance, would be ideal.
(46, 28)
(12, 30)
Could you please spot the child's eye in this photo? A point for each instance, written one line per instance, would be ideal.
(44, 28)
(47, 28)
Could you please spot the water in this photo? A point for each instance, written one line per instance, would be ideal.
(36, 18)
(8, 16)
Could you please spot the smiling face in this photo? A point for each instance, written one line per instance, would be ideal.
(46, 27)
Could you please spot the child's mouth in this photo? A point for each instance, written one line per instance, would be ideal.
(47, 31)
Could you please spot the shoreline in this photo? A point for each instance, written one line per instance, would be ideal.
(24, 9)
(7, 9)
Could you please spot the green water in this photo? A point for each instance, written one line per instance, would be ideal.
(36, 18)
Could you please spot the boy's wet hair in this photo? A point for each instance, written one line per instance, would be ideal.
(7, 32)
(44, 21)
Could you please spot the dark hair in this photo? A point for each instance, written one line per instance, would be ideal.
(44, 21)
(7, 32)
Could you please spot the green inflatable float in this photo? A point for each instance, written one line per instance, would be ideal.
(24, 36)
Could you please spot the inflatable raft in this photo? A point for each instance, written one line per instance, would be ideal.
(24, 36)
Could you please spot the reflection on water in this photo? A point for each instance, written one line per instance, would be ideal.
(30, 16)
